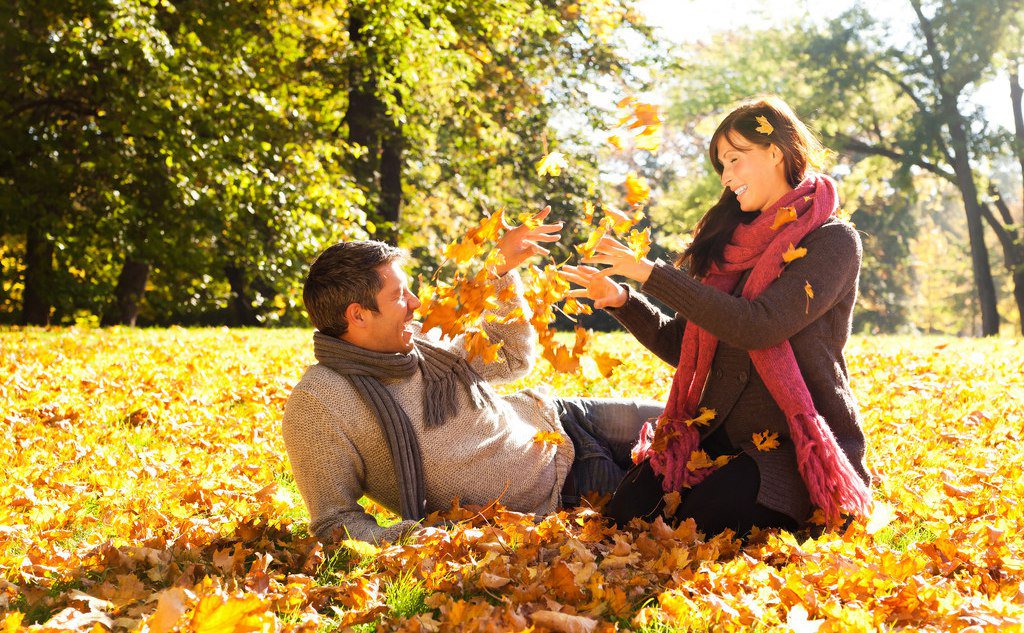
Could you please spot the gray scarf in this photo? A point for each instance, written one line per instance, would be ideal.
(441, 370)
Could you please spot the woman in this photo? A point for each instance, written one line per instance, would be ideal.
(757, 341)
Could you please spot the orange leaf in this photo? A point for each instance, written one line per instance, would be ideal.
(214, 614)
(553, 438)
(705, 417)
(698, 460)
(478, 344)
(637, 189)
(793, 253)
(765, 127)
(766, 441)
(784, 216)
(810, 295)
(606, 363)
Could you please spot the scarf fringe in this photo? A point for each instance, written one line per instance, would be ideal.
(832, 482)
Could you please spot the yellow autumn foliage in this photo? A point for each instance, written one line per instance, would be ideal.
(146, 488)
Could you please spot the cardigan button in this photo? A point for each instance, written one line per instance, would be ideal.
(742, 377)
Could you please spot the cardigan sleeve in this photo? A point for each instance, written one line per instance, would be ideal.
(329, 473)
(655, 330)
(830, 267)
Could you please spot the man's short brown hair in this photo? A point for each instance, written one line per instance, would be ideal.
(344, 274)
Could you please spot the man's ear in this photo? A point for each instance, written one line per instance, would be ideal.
(355, 314)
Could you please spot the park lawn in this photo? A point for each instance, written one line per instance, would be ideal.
(146, 487)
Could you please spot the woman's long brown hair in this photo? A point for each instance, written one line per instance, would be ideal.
(800, 150)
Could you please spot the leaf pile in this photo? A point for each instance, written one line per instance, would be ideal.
(147, 489)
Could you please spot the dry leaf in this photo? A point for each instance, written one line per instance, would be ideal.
(784, 216)
(766, 441)
(793, 253)
(552, 164)
(637, 189)
(765, 127)
(563, 622)
(549, 437)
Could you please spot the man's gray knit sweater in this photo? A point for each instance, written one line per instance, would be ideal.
(338, 452)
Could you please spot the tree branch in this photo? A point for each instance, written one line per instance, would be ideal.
(74, 105)
(857, 145)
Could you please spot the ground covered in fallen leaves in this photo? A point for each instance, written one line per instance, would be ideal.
(146, 487)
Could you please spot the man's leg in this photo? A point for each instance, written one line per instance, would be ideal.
(603, 432)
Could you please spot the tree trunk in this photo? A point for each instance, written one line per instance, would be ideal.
(391, 163)
(980, 263)
(378, 171)
(240, 310)
(131, 286)
(36, 299)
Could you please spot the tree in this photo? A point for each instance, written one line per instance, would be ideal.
(953, 50)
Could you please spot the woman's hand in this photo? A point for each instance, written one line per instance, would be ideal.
(620, 260)
(604, 292)
(520, 243)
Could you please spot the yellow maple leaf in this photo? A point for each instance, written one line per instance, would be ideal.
(793, 253)
(704, 418)
(766, 441)
(625, 102)
(646, 115)
(490, 227)
(615, 141)
(784, 216)
(698, 460)
(637, 189)
(606, 363)
(554, 438)
(649, 139)
(809, 291)
(765, 127)
(552, 164)
(639, 243)
(215, 614)
(588, 249)
(478, 344)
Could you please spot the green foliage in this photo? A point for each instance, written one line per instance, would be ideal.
(221, 145)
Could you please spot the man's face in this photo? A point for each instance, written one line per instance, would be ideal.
(390, 325)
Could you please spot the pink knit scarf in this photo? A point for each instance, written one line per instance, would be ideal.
(830, 478)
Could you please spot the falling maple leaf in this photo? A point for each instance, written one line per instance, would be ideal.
(553, 438)
(606, 363)
(615, 141)
(810, 295)
(649, 140)
(552, 164)
(637, 189)
(639, 243)
(766, 441)
(793, 253)
(765, 127)
(784, 216)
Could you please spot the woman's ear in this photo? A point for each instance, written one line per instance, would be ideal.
(775, 153)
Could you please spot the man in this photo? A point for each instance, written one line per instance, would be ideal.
(410, 423)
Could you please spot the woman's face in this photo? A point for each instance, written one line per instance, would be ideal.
(756, 174)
